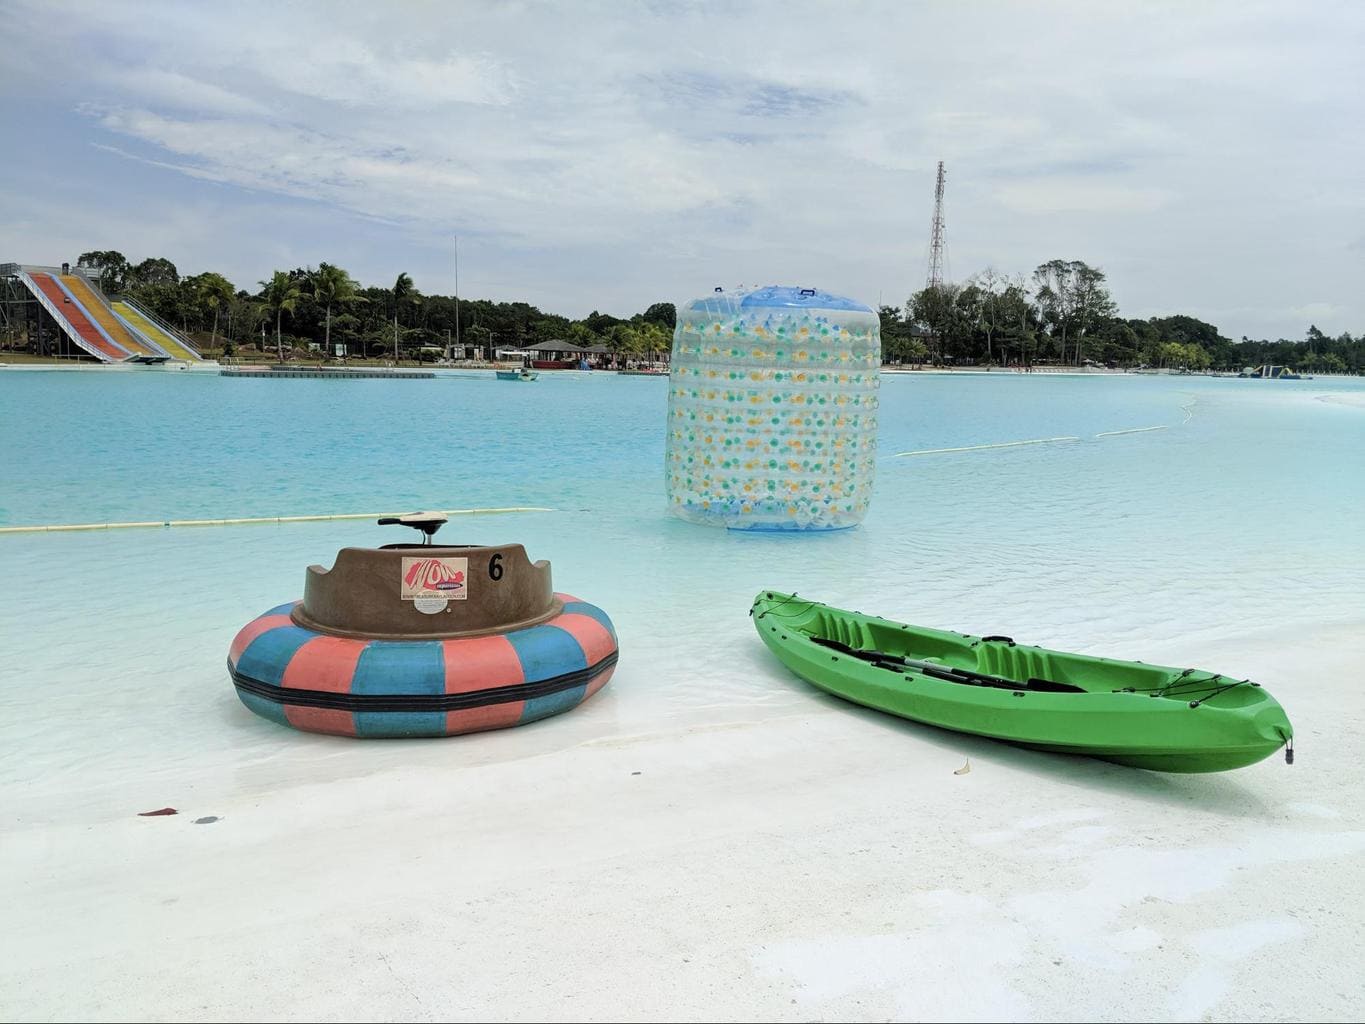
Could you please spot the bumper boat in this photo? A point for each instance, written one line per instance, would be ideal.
(423, 640)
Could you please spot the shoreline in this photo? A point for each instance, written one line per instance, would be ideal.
(214, 368)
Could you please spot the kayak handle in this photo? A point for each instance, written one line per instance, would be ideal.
(1288, 746)
(997, 639)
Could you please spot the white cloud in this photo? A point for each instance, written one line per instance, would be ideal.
(1058, 194)
(170, 89)
(1318, 311)
(351, 72)
(609, 156)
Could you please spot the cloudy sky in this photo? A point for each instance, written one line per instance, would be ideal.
(1209, 156)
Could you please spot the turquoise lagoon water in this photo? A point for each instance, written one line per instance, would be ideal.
(1241, 517)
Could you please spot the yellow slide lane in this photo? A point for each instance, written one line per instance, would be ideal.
(163, 338)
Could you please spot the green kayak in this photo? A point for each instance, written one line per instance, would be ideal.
(1147, 716)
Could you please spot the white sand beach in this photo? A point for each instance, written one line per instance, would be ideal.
(809, 861)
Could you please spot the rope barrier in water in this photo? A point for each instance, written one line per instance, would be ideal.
(1133, 430)
(979, 447)
(1187, 409)
(254, 520)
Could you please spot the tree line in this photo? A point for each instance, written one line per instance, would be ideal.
(1064, 313)
(325, 306)
(1061, 313)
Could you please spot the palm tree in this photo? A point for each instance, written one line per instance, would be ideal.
(625, 340)
(332, 286)
(402, 289)
(215, 292)
(280, 293)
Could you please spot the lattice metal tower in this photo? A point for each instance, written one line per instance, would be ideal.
(936, 244)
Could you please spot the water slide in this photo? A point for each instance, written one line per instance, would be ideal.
(72, 318)
(96, 308)
(154, 331)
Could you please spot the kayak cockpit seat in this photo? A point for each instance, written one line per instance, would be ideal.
(936, 668)
(1015, 661)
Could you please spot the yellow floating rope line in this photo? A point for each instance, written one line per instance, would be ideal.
(254, 520)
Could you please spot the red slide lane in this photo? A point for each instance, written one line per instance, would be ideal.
(88, 332)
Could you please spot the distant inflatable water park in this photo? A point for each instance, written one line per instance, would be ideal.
(772, 410)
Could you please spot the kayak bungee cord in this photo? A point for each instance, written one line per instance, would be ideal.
(790, 598)
(1200, 689)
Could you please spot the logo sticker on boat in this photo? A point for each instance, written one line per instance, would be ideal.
(441, 578)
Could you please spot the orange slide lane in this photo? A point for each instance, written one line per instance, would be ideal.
(96, 306)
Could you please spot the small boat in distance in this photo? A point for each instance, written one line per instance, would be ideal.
(522, 374)
(1144, 716)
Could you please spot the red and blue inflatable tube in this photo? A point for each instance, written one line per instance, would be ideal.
(395, 688)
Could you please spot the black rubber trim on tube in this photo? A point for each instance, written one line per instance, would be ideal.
(418, 701)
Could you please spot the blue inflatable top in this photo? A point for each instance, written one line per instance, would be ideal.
(776, 297)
